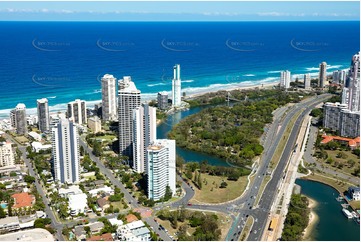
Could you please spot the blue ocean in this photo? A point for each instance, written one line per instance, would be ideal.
(63, 61)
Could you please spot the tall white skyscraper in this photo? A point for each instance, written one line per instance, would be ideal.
(354, 84)
(43, 115)
(307, 80)
(6, 154)
(144, 133)
(77, 111)
(65, 152)
(322, 76)
(285, 79)
(129, 99)
(161, 168)
(18, 119)
(109, 101)
(176, 87)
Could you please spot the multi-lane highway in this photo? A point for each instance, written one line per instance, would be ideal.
(244, 206)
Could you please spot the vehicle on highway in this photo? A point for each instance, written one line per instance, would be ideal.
(189, 204)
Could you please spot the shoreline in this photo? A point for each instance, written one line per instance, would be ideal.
(90, 104)
(313, 219)
(236, 87)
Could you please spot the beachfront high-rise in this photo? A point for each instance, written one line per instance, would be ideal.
(285, 79)
(18, 119)
(65, 152)
(43, 114)
(144, 133)
(162, 99)
(354, 84)
(128, 99)
(176, 87)
(161, 168)
(345, 118)
(6, 154)
(322, 76)
(77, 111)
(307, 80)
(109, 101)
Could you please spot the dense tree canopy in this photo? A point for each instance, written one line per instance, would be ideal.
(231, 133)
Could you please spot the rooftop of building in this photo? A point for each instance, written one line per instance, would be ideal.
(107, 76)
(135, 225)
(141, 231)
(355, 189)
(20, 106)
(40, 235)
(42, 100)
(74, 189)
(23, 199)
(127, 85)
(351, 142)
(115, 221)
(9, 220)
(163, 93)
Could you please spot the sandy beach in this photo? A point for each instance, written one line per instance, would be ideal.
(313, 219)
(236, 87)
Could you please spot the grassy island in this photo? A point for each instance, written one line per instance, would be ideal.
(231, 133)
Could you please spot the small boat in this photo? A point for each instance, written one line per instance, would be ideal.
(347, 213)
(354, 214)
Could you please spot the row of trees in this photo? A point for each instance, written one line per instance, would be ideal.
(232, 173)
(297, 218)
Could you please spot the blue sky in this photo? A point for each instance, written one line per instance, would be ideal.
(180, 11)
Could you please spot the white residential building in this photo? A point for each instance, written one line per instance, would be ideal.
(332, 114)
(71, 190)
(176, 87)
(109, 102)
(144, 132)
(129, 99)
(161, 168)
(307, 80)
(77, 111)
(65, 152)
(77, 203)
(104, 189)
(355, 193)
(134, 231)
(6, 155)
(43, 115)
(35, 136)
(285, 79)
(354, 84)
(37, 146)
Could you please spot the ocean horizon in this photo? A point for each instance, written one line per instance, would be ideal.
(63, 61)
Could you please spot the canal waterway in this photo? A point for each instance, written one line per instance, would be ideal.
(332, 225)
(188, 155)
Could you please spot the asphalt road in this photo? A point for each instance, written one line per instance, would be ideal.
(241, 208)
(270, 192)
